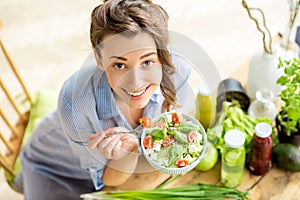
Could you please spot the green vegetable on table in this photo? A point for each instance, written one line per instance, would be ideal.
(287, 156)
(194, 191)
(233, 117)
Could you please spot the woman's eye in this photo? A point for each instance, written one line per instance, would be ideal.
(119, 66)
(148, 63)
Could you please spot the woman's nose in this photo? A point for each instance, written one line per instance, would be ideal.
(134, 78)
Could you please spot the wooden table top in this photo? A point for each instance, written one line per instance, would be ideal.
(277, 184)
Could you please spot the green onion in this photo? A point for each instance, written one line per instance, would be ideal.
(194, 191)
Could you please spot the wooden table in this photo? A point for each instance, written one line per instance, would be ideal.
(277, 184)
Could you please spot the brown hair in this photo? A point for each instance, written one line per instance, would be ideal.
(130, 17)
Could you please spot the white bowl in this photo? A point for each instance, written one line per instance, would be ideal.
(176, 170)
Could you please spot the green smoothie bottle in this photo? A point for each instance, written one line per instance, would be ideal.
(206, 106)
(233, 159)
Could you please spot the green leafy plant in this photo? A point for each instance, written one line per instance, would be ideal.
(289, 116)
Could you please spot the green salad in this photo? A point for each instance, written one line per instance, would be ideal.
(173, 141)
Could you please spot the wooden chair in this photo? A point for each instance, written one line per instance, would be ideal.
(19, 113)
(14, 111)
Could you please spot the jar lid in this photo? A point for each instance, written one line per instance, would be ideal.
(263, 130)
(234, 138)
(204, 89)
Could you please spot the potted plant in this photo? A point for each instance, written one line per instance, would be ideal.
(288, 118)
(265, 61)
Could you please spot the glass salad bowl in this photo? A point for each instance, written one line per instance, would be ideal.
(174, 143)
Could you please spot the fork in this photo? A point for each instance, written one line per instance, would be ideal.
(84, 142)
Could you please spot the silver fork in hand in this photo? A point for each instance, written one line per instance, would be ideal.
(84, 142)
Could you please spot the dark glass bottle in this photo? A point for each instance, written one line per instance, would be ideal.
(261, 149)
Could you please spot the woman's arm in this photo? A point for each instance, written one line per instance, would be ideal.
(122, 152)
(118, 171)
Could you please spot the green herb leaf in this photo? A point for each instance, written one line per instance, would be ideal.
(290, 94)
(158, 134)
(282, 80)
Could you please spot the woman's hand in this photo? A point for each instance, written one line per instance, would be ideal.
(113, 147)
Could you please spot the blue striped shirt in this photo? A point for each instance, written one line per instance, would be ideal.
(86, 106)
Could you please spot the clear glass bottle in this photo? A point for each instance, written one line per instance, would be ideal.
(206, 106)
(263, 105)
(261, 149)
(288, 47)
(233, 159)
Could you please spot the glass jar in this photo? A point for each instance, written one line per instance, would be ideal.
(233, 158)
(206, 106)
(263, 105)
(261, 149)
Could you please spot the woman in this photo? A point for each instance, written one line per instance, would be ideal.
(129, 76)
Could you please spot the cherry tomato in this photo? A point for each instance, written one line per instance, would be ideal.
(181, 162)
(146, 122)
(177, 118)
(148, 142)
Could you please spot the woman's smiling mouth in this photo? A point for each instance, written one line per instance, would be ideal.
(136, 94)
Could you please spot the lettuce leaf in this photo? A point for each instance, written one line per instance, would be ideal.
(179, 137)
(158, 134)
(175, 152)
(187, 127)
(172, 153)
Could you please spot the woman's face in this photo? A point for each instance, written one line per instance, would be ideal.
(132, 67)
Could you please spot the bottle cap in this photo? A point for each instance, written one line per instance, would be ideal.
(263, 130)
(234, 138)
(204, 89)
